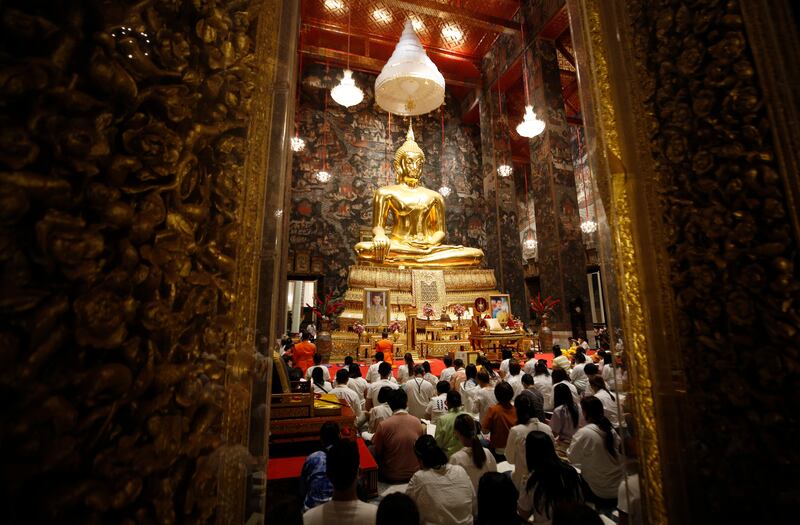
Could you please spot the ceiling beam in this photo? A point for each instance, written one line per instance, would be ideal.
(368, 65)
(448, 12)
(561, 47)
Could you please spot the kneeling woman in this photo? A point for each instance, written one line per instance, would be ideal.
(442, 492)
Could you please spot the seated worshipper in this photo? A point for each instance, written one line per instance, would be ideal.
(469, 388)
(372, 373)
(348, 360)
(609, 400)
(318, 383)
(379, 413)
(595, 450)
(483, 398)
(385, 372)
(499, 419)
(560, 376)
(397, 508)
(448, 371)
(444, 492)
(405, 371)
(394, 441)
(507, 356)
(430, 378)
(629, 495)
(357, 383)
(530, 364)
(386, 346)
(560, 360)
(315, 487)
(485, 366)
(445, 437)
(591, 369)
(577, 375)
(543, 383)
(583, 343)
(326, 375)
(287, 344)
(303, 353)
(497, 500)
(565, 420)
(345, 394)
(459, 376)
(437, 406)
(611, 373)
(527, 422)
(419, 392)
(550, 481)
(344, 508)
(529, 390)
(472, 457)
(514, 378)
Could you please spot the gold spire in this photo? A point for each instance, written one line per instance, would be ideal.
(409, 146)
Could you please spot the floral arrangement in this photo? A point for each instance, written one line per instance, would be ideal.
(513, 323)
(358, 327)
(542, 307)
(427, 310)
(394, 326)
(459, 310)
(329, 307)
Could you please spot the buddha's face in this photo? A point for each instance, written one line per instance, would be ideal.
(411, 167)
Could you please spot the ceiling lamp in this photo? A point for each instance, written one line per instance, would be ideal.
(445, 191)
(505, 170)
(589, 226)
(409, 83)
(530, 125)
(334, 5)
(347, 93)
(323, 176)
(298, 144)
(530, 243)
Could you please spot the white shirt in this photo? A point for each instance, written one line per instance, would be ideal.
(447, 373)
(443, 495)
(575, 397)
(601, 470)
(463, 458)
(579, 377)
(346, 394)
(529, 366)
(628, 499)
(375, 388)
(483, 400)
(432, 379)
(515, 448)
(504, 367)
(544, 384)
(468, 389)
(516, 383)
(609, 407)
(326, 375)
(353, 512)
(373, 374)
(324, 389)
(420, 393)
(436, 408)
(359, 385)
(585, 345)
(402, 374)
(378, 414)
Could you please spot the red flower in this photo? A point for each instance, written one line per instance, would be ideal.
(542, 307)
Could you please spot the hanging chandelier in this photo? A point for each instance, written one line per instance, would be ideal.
(323, 176)
(530, 126)
(347, 93)
(588, 226)
(298, 144)
(505, 170)
(445, 191)
(530, 243)
(409, 83)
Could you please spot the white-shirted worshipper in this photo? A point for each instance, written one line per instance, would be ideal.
(560, 375)
(429, 377)
(357, 383)
(473, 457)
(345, 394)
(577, 374)
(484, 398)
(544, 384)
(514, 377)
(515, 446)
(469, 388)
(406, 370)
(437, 407)
(385, 371)
(419, 392)
(326, 375)
(560, 360)
(448, 371)
(609, 400)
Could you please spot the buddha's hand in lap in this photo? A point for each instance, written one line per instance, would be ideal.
(380, 247)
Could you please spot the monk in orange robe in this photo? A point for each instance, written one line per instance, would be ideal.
(303, 353)
(386, 346)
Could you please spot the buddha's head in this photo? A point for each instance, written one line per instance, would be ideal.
(408, 161)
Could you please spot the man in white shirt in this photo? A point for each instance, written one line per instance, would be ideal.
(419, 392)
(326, 375)
(559, 375)
(344, 508)
(379, 413)
(469, 388)
(345, 394)
(504, 363)
(577, 375)
(385, 370)
(430, 378)
(484, 397)
(530, 364)
(357, 383)
(437, 407)
(514, 378)
(372, 373)
(449, 370)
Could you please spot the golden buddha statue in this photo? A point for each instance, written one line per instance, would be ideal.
(419, 227)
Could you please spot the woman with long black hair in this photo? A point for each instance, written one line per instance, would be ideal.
(473, 457)
(551, 480)
(565, 420)
(543, 383)
(318, 382)
(595, 449)
(406, 371)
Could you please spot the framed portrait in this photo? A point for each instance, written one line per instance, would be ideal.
(376, 307)
(500, 307)
(317, 265)
(302, 262)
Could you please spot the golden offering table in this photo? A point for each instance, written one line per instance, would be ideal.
(485, 341)
(442, 348)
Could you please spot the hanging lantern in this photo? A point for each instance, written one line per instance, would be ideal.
(323, 176)
(505, 170)
(530, 243)
(445, 191)
(409, 83)
(589, 226)
(530, 126)
(298, 144)
(347, 93)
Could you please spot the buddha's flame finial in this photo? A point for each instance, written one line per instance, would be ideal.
(410, 134)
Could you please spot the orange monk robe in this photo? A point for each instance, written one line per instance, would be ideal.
(303, 355)
(387, 347)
